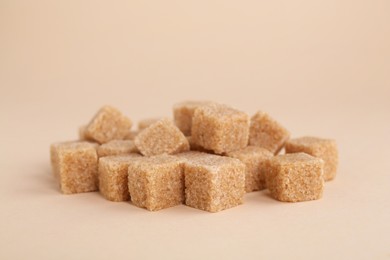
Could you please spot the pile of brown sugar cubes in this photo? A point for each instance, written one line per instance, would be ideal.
(207, 158)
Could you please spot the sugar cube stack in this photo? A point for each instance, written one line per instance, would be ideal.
(208, 156)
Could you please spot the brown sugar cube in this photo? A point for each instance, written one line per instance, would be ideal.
(108, 124)
(213, 183)
(326, 149)
(113, 172)
(75, 164)
(117, 147)
(220, 128)
(255, 159)
(295, 177)
(131, 135)
(54, 157)
(183, 113)
(147, 122)
(156, 182)
(162, 137)
(267, 133)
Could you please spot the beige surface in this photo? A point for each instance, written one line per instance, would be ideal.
(319, 67)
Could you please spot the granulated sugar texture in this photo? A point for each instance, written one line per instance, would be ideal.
(207, 156)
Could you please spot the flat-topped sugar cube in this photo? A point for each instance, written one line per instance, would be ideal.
(108, 124)
(113, 172)
(220, 128)
(183, 113)
(267, 133)
(156, 182)
(75, 164)
(213, 183)
(117, 147)
(255, 159)
(295, 177)
(326, 149)
(162, 137)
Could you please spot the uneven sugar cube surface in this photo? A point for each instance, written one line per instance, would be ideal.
(156, 182)
(147, 122)
(108, 124)
(213, 183)
(162, 137)
(267, 133)
(113, 172)
(54, 156)
(220, 128)
(75, 164)
(325, 149)
(117, 147)
(255, 159)
(295, 177)
(183, 113)
(208, 157)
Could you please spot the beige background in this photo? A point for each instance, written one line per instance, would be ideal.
(319, 67)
